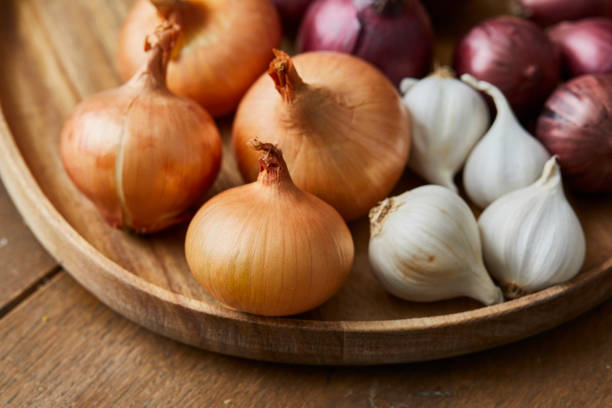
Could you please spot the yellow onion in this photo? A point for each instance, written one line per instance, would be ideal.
(267, 247)
(142, 155)
(225, 46)
(340, 123)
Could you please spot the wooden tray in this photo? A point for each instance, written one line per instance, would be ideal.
(55, 53)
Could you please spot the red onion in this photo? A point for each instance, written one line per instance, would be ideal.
(394, 35)
(516, 56)
(291, 12)
(586, 45)
(547, 12)
(576, 125)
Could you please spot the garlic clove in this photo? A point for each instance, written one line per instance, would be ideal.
(406, 84)
(506, 158)
(532, 237)
(425, 246)
(448, 119)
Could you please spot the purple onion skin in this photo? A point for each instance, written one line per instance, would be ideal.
(585, 45)
(291, 12)
(576, 125)
(547, 12)
(399, 40)
(516, 56)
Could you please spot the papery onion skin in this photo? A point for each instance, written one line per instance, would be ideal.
(398, 40)
(586, 45)
(268, 248)
(547, 12)
(226, 45)
(516, 56)
(576, 126)
(343, 129)
(141, 154)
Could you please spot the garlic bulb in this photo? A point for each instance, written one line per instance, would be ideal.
(425, 246)
(448, 119)
(506, 159)
(531, 237)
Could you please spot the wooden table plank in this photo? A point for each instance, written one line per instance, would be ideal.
(23, 261)
(62, 347)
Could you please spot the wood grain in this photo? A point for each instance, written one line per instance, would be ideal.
(23, 261)
(59, 52)
(63, 348)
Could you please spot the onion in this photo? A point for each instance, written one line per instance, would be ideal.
(225, 46)
(394, 35)
(339, 121)
(586, 45)
(516, 56)
(292, 11)
(141, 154)
(576, 125)
(267, 247)
(547, 12)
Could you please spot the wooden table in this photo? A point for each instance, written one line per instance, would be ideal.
(61, 347)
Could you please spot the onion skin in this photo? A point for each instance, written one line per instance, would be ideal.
(225, 46)
(576, 126)
(586, 45)
(267, 247)
(398, 40)
(547, 12)
(516, 56)
(342, 127)
(142, 155)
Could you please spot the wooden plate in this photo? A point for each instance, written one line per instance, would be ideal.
(55, 53)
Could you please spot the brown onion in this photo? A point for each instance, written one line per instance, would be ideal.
(586, 45)
(339, 121)
(546, 12)
(225, 46)
(394, 35)
(141, 154)
(267, 247)
(576, 125)
(516, 56)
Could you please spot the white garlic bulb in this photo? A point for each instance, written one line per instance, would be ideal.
(531, 237)
(506, 158)
(425, 246)
(448, 119)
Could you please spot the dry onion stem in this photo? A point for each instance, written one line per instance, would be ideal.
(267, 247)
(142, 155)
(340, 123)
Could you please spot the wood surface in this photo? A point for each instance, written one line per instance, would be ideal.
(57, 52)
(63, 348)
(23, 261)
